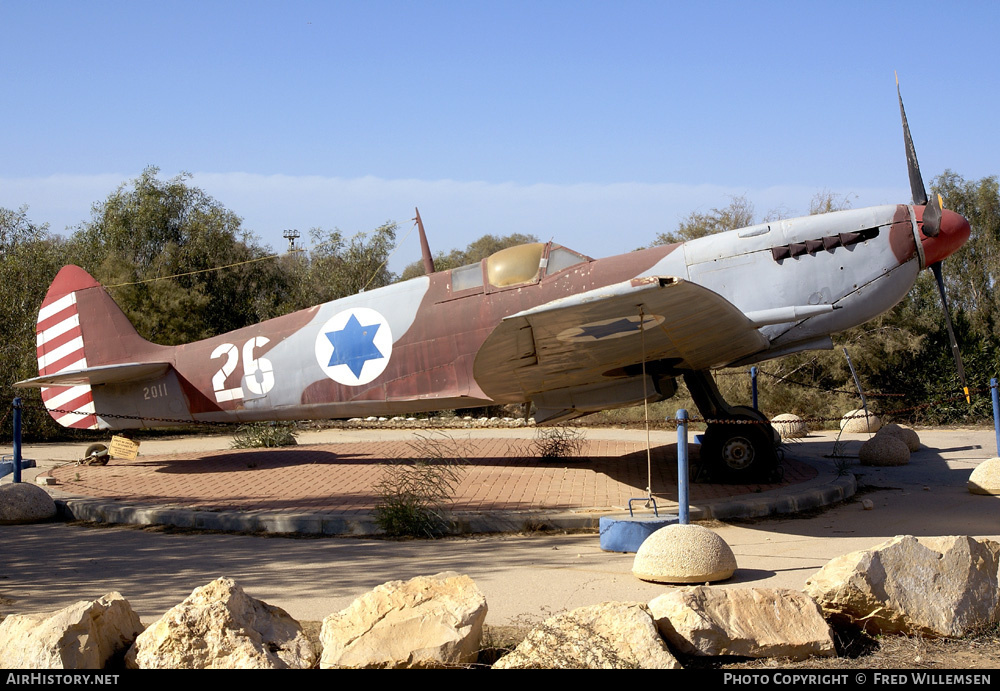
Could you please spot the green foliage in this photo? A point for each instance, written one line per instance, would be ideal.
(339, 267)
(973, 271)
(150, 228)
(267, 435)
(738, 214)
(413, 492)
(29, 259)
(825, 202)
(475, 251)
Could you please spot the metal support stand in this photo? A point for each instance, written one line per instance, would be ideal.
(753, 387)
(996, 411)
(857, 383)
(683, 513)
(17, 440)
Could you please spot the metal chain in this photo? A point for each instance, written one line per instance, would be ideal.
(823, 388)
(668, 422)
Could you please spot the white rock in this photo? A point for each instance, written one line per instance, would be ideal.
(22, 502)
(854, 422)
(904, 434)
(939, 586)
(985, 478)
(613, 635)
(884, 450)
(219, 626)
(790, 426)
(750, 622)
(683, 554)
(428, 621)
(82, 636)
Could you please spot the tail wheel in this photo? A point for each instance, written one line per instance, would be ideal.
(96, 454)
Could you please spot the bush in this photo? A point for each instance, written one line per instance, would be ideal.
(268, 435)
(553, 443)
(414, 492)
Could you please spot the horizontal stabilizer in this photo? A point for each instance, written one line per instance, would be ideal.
(95, 376)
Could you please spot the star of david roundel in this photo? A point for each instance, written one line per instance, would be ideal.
(354, 346)
(608, 329)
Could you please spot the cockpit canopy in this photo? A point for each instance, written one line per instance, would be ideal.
(516, 266)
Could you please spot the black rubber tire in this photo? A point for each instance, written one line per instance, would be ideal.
(739, 453)
(96, 454)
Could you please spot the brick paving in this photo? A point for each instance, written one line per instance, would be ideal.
(500, 474)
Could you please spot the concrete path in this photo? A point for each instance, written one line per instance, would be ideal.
(525, 577)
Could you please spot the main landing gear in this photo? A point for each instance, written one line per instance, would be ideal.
(742, 447)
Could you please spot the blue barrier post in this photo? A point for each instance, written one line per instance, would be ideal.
(683, 516)
(17, 440)
(996, 412)
(753, 385)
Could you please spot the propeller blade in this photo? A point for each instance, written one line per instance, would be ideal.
(913, 168)
(936, 268)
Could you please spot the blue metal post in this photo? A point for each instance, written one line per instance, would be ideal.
(753, 385)
(996, 411)
(17, 440)
(683, 515)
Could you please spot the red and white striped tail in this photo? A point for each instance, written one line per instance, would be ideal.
(59, 344)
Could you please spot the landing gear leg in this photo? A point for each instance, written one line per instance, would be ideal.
(742, 447)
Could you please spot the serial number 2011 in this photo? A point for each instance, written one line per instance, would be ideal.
(155, 391)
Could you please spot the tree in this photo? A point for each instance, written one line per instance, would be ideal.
(475, 251)
(738, 214)
(29, 260)
(339, 267)
(973, 271)
(153, 229)
(826, 201)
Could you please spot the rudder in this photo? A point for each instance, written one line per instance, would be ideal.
(80, 326)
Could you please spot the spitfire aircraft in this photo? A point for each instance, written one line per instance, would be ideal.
(535, 323)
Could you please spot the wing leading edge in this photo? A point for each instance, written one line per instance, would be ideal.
(582, 339)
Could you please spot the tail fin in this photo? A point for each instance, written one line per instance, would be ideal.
(80, 327)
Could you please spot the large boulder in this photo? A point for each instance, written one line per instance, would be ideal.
(428, 621)
(21, 502)
(84, 635)
(750, 622)
(219, 626)
(884, 450)
(612, 635)
(854, 422)
(938, 586)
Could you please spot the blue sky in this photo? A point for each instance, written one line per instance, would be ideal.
(597, 124)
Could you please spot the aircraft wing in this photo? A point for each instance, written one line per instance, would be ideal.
(580, 339)
(105, 374)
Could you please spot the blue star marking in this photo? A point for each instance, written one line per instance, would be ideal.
(604, 330)
(354, 345)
